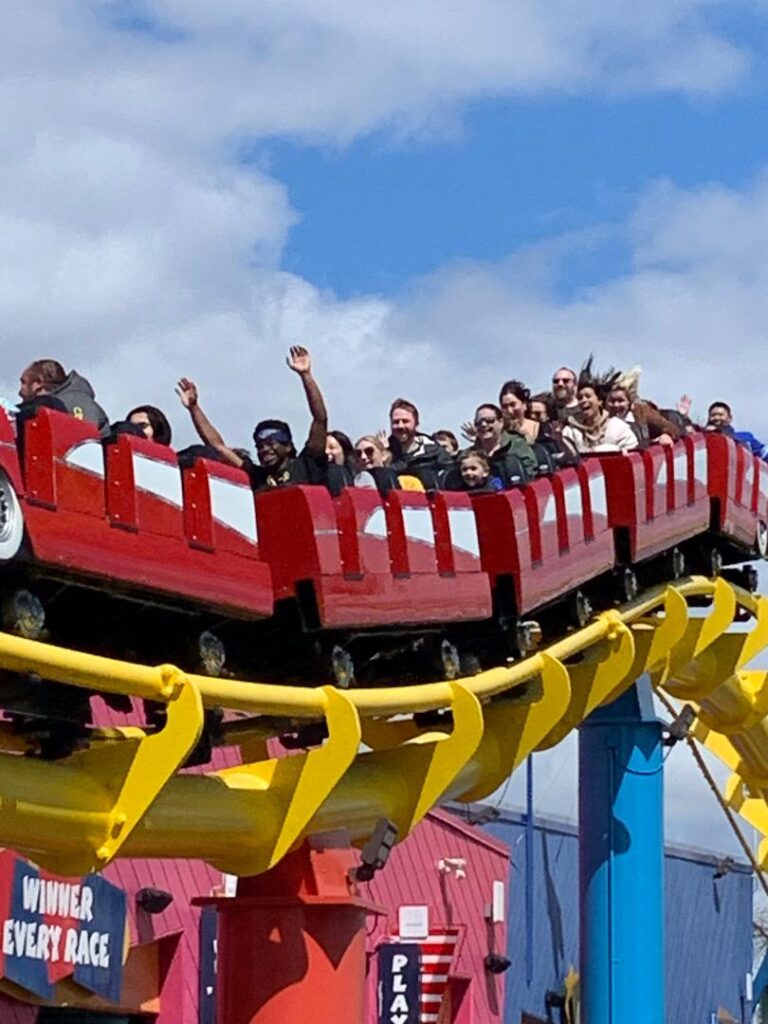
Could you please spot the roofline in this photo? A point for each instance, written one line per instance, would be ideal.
(449, 816)
(547, 823)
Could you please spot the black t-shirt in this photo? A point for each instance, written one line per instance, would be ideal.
(306, 468)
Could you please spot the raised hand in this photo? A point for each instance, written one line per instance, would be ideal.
(684, 404)
(468, 430)
(299, 360)
(187, 392)
(382, 436)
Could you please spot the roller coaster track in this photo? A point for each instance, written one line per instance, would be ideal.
(126, 796)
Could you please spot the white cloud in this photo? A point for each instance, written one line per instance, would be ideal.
(134, 246)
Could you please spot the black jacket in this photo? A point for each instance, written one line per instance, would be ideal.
(427, 463)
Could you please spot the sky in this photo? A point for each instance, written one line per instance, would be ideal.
(432, 195)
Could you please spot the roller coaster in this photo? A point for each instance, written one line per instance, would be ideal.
(505, 621)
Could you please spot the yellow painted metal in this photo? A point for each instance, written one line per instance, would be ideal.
(299, 784)
(123, 796)
(516, 725)
(114, 785)
(437, 759)
(594, 676)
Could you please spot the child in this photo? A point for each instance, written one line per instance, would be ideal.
(476, 472)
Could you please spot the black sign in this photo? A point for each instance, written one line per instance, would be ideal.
(399, 988)
(209, 920)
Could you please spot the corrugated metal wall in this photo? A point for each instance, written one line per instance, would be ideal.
(708, 925)
(412, 876)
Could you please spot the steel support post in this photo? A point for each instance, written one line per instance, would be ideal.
(291, 943)
(621, 862)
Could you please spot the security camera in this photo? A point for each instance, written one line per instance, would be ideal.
(153, 901)
(457, 865)
(495, 963)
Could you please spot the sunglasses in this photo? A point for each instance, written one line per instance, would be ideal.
(367, 452)
(485, 422)
(563, 380)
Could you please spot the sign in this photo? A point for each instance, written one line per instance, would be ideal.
(209, 921)
(53, 928)
(399, 989)
(413, 922)
(437, 955)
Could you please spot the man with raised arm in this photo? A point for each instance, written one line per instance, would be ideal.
(279, 464)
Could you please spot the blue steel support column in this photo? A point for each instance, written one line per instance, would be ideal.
(621, 862)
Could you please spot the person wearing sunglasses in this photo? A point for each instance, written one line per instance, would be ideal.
(373, 470)
(279, 462)
(510, 456)
(564, 393)
(371, 452)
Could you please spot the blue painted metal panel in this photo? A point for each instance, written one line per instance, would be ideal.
(621, 862)
(708, 925)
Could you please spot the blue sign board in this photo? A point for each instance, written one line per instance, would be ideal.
(53, 928)
(399, 984)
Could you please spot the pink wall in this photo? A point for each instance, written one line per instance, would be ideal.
(412, 876)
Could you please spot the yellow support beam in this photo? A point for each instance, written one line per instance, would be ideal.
(124, 796)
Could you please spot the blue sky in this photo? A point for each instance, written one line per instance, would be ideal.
(434, 196)
(378, 212)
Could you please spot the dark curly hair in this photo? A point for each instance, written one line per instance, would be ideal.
(601, 383)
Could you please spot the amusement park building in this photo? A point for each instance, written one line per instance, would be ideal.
(444, 874)
(707, 922)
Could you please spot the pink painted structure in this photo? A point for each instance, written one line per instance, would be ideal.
(161, 975)
(456, 897)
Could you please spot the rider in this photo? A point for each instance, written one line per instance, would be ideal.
(44, 382)
(279, 463)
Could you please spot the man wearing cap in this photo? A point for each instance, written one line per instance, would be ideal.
(279, 464)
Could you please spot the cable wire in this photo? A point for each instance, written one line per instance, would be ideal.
(727, 811)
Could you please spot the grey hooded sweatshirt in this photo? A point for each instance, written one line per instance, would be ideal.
(79, 398)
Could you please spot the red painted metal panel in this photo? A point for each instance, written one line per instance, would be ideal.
(9, 459)
(723, 484)
(297, 535)
(457, 543)
(658, 495)
(122, 503)
(198, 520)
(162, 564)
(219, 509)
(505, 541)
(372, 562)
(362, 524)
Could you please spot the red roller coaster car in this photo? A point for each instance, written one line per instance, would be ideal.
(111, 542)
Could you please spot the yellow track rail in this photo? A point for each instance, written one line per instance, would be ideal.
(125, 796)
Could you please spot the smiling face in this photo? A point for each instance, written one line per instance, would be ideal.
(333, 451)
(488, 425)
(618, 403)
(564, 385)
(474, 471)
(513, 409)
(718, 416)
(590, 405)
(403, 426)
(369, 455)
(272, 453)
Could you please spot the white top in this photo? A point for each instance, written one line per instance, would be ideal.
(613, 436)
